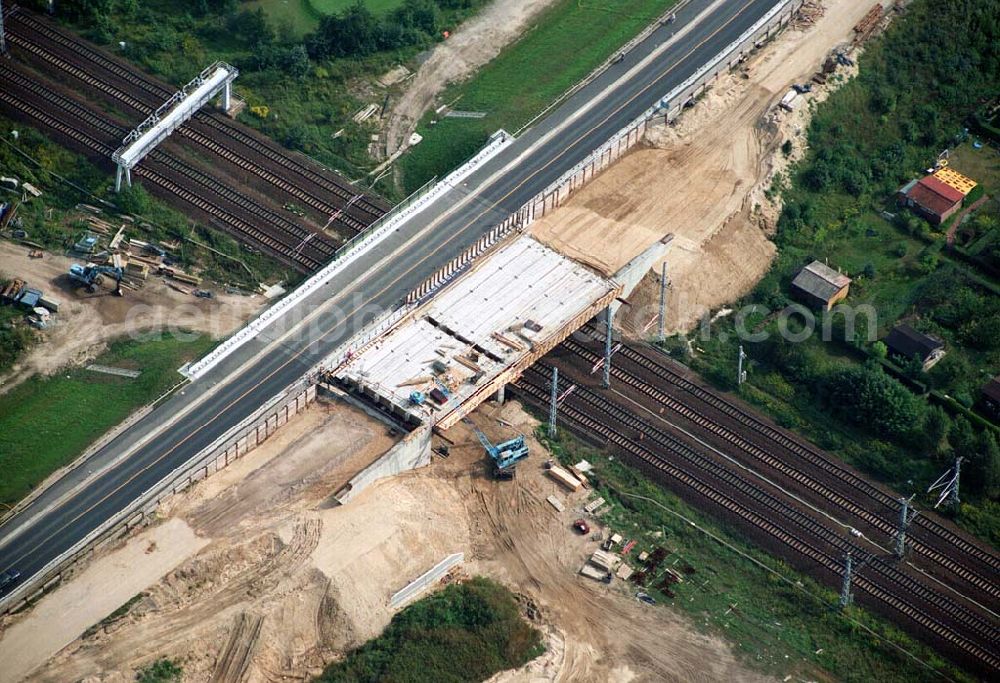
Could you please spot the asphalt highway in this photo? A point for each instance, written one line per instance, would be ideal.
(205, 409)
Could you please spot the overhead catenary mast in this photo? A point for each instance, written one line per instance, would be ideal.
(3, 38)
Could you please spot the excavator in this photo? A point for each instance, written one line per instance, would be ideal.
(90, 276)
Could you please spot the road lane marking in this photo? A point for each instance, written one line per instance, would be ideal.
(295, 355)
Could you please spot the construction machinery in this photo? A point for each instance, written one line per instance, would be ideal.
(91, 274)
(505, 455)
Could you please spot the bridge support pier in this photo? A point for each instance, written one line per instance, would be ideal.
(502, 393)
(227, 96)
(122, 171)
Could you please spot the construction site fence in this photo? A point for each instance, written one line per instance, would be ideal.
(228, 448)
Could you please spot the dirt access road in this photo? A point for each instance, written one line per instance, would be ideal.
(472, 45)
(86, 322)
(255, 576)
(704, 179)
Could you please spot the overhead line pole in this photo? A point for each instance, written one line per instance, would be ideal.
(3, 38)
(553, 401)
(607, 348)
(846, 597)
(741, 375)
(904, 521)
(663, 302)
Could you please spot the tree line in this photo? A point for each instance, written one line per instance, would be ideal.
(353, 32)
(357, 32)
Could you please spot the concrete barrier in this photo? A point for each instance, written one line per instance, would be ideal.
(350, 251)
(425, 580)
(412, 452)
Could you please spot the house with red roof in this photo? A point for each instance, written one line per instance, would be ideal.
(932, 198)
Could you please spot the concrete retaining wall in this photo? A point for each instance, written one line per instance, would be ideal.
(412, 452)
(632, 272)
(412, 590)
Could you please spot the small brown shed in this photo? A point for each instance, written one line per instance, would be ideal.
(820, 286)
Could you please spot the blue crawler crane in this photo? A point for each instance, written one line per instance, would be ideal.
(506, 455)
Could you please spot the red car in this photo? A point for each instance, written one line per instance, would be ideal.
(581, 526)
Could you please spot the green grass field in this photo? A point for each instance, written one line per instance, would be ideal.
(298, 15)
(333, 6)
(567, 42)
(46, 422)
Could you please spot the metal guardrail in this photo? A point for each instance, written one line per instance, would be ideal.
(359, 244)
(155, 493)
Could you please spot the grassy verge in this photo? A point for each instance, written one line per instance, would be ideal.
(467, 632)
(779, 621)
(566, 42)
(46, 422)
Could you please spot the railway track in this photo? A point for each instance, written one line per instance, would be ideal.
(284, 240)
(604, 421)
(354, 211)
(810, 468)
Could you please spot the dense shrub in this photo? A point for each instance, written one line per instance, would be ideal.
(867, 396)
(357, 32)
(467, 632)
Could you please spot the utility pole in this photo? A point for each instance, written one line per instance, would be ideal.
(949, 493)
(552, 402)
(663, 302)
(953, 488)
(741, 375)
(846, 598)
(3, 38)
(607, 348)
(904, 521)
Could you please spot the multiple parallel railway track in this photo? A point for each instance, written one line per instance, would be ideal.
(941, 595)
(952, 557)
(237, 156)
(718, 454)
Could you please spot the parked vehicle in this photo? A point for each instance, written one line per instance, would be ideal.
(7, 578)
(581, 526)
